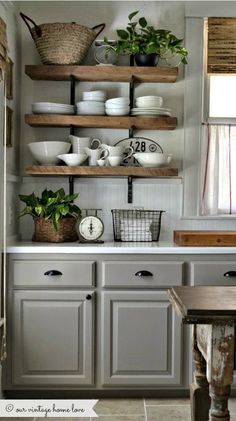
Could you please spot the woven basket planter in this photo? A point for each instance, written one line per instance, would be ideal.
(62, 43)
(44, 230)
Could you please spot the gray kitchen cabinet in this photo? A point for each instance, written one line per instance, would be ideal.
(141, 339)
(52, 338)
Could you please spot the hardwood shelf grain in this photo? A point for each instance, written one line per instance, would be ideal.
(126, 122)
(103, 73)
(101, 171)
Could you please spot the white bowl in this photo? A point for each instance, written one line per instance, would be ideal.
(90, 108)
(116, 106)
(118, 101)
(152, 159)
(46, 152)
(149, 101)
(94, 96)
(73, 159)
(117, 111)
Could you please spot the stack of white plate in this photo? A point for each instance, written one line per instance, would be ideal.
(99, 96)
(90, 108)
(117, 106)
(151, 106)
(52, 108)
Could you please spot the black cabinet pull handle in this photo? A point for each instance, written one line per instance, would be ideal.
(88, 297)
(143, 273)
(53, 273)
(230, 273)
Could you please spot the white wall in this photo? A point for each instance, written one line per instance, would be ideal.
(108, 194)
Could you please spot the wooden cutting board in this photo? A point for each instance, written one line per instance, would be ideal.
(205, 238)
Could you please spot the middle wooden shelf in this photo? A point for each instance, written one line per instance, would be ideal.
(126, 122)
(84, 171)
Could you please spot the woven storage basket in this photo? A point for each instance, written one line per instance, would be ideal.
(44, 230)
(62, 43)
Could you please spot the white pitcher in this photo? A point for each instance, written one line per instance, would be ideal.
(95, 154)
(80, 143)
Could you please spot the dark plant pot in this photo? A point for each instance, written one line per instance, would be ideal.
(44, 230)
(146, 59)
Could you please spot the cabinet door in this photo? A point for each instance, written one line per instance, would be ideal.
(141, 339)
(52, 340)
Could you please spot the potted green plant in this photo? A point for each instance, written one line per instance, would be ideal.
(146, 43)
(54, 214)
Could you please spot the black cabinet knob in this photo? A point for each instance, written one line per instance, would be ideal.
(143, 273)
(88, 297)
(53, 273)
(231, 273)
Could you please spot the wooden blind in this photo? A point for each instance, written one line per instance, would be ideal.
(221, 54)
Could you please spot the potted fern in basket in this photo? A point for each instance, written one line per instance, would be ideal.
(54, 214)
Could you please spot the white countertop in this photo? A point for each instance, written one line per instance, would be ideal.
(114, 248)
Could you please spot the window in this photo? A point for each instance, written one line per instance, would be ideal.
(222, 96)
(218, 145)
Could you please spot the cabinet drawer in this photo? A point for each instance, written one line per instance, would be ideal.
(126, 274)
(212, 273)
(37, 273)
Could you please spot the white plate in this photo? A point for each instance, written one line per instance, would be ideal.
(51, 104)
(151, 109)
(52, 110)
(166, 113)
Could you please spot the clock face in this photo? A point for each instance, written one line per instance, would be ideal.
(91, 228)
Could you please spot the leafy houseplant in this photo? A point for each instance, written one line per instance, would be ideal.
(54, 214)
(139, 38)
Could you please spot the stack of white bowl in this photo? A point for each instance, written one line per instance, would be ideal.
(150, 105)
(117, 106)
(93, 103)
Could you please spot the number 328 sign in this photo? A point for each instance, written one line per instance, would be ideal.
(139, 144)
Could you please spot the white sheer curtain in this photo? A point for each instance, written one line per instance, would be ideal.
(218, 170)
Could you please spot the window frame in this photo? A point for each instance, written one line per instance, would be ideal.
(197, 103)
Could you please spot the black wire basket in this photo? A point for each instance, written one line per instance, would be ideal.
(136, 224)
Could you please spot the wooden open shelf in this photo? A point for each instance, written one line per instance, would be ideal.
(101, 171)
(126, 122)
(103, 73)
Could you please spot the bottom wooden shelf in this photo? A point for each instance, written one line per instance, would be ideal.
(102, 171)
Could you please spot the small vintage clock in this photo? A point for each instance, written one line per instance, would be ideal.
(91, 227)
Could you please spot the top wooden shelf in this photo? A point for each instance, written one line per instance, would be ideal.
(103, 73)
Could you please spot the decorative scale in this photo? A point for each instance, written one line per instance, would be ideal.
(91, 227)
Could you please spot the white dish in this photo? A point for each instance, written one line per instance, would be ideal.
(73, 159)
(90, 108)
(149, 98)
(151, 114)
(94, 96)
(116, 106)
(117, 111)
(90, 112)
(50, 104)
(46, 152)
(118, 101)
(51, 110)
(90, 104)
(152, 159)
(151, 109)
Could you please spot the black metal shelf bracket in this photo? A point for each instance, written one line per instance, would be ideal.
(72, 90)
(130, 189)
(71, 184)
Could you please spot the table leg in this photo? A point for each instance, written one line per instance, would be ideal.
(199, 390)
(220, 370)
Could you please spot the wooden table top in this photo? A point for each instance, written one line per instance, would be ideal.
(204, 304)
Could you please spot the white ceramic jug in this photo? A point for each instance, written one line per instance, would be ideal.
(95, 154)
(80, 143)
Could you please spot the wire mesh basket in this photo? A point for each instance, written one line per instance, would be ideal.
(136, 224)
